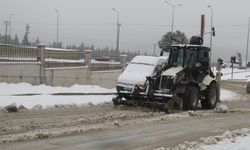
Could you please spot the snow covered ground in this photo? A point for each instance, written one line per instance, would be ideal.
(230, 140)
(24, 88)
(238, 74)
(43, 97)
(10, 93)
(240, 143)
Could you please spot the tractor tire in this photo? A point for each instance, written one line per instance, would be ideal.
(191, 98)
(211, 99)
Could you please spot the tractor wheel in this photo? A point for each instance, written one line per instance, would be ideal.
(191, 98)
(211, 97)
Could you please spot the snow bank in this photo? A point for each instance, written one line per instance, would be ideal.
(233, 140)
(24, 88)
(236, 140)
(220, 108)
(50, 100)
(8, 95)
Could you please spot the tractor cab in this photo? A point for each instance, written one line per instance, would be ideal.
(194, 59)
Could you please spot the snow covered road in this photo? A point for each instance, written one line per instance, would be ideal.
(119, 128)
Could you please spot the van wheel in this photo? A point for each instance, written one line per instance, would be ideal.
(211, 99)
(191, 98)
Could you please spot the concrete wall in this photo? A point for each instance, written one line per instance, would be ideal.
(105, 79)
(67, 76)
(16, 72)
(13, 72)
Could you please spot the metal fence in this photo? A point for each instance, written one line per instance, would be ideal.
(63, 58)
(55, 57)
(18, 53)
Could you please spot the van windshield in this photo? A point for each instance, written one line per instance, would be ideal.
(143, 68)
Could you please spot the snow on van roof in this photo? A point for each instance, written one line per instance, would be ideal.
(147, 59)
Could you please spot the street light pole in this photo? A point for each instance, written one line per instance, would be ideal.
(10, 23)
(118, 31)
(173, 9)
(211, 30)
(247, 41)
(154, 49)
(6, 23)
(57, 25)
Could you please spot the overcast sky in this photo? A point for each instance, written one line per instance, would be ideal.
(143, 21)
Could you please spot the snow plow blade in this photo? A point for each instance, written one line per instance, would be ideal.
(153, 104)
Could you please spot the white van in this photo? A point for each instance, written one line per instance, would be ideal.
(136, 72)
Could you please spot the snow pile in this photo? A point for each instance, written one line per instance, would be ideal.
(194, 113)
(233, 140)
(24, 88)
(50, 100)
(12, 93)
(220, 108)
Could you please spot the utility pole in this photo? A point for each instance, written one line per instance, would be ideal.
(154, 49)
(202, 26)
(10, 23)
(6, 23)
(211, 30)
(173, 11)
(118, 32)
(57, 25)
(247, 41)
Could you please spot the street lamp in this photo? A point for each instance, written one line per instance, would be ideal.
(173, 8)
(57, 25)
(247, 42)
(10, 23)
(211, 26)
(118, 31)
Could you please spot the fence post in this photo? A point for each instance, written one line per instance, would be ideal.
(41, 48)
(87, 56)
(123, 59)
